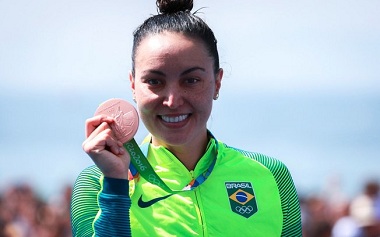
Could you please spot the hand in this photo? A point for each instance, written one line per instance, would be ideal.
(104, 149)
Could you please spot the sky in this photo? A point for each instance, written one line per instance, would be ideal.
(288, 62)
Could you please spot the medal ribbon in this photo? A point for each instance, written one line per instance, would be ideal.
(140, 164)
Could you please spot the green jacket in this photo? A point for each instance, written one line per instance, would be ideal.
(246, 194)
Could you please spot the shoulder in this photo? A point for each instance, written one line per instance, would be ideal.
(288, 193)
(91, 172)
(89, 177)
(276, 167)
(84, 201)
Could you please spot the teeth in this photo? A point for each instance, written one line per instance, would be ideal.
(175, 119)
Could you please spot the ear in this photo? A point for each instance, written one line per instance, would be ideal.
(132, 81)
(218, 82)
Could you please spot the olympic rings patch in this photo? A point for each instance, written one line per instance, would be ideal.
(242, 198)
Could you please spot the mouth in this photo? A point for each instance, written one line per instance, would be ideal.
(174, 119)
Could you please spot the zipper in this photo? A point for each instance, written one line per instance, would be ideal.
(199, 211)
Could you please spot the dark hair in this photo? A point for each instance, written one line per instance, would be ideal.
(175, 16)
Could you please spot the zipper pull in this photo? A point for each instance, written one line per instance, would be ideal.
(188, 187)
(192, 174)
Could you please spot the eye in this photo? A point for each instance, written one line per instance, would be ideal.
(154, 82)
(192, 80)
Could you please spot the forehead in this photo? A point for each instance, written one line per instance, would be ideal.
(176, 46)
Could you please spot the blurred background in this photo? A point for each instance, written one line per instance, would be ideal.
(302, 84)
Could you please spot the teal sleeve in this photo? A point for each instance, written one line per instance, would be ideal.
(99, 209)
(84, 202)
(114, 203)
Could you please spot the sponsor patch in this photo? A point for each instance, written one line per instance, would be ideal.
(242, 198)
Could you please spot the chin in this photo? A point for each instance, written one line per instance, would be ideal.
(172, 139)
(176, 140)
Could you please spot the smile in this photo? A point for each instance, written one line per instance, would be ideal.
(174, 119)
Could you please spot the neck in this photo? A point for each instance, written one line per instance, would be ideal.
(189, 157)
(190, 153)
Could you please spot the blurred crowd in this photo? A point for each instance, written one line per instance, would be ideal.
(331, 214)
(24, 214)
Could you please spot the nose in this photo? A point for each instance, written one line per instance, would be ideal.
(173, 97)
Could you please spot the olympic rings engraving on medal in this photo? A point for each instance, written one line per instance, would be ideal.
(244, 209)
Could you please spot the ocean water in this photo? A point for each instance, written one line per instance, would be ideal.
(325, 140)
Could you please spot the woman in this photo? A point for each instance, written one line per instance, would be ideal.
(216, 190)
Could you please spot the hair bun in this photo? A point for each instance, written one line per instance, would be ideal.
(173, 6)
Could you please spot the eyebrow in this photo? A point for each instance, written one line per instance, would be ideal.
(187, 71)
(192, 69)
(155, 72)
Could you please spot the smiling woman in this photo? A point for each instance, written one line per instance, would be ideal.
(190, 184)
(174, 85)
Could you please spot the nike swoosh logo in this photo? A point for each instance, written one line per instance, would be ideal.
(143, 204)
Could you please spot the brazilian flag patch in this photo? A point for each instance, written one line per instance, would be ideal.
(242, 198)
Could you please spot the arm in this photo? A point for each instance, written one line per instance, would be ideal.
(84, 203)
(288, 194)
(100, 206)
(114, 203)
(290, 203)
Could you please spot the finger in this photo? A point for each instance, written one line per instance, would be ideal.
(115, 146)
(104, 127)
(92, 123)
(96, 142)
(103, 141)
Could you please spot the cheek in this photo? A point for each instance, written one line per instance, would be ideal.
(203, 104)
(205, 97)
(146, 115)
(142, 100)
(202, 100)
(139, 90)
(145, 105)
(143, 95)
